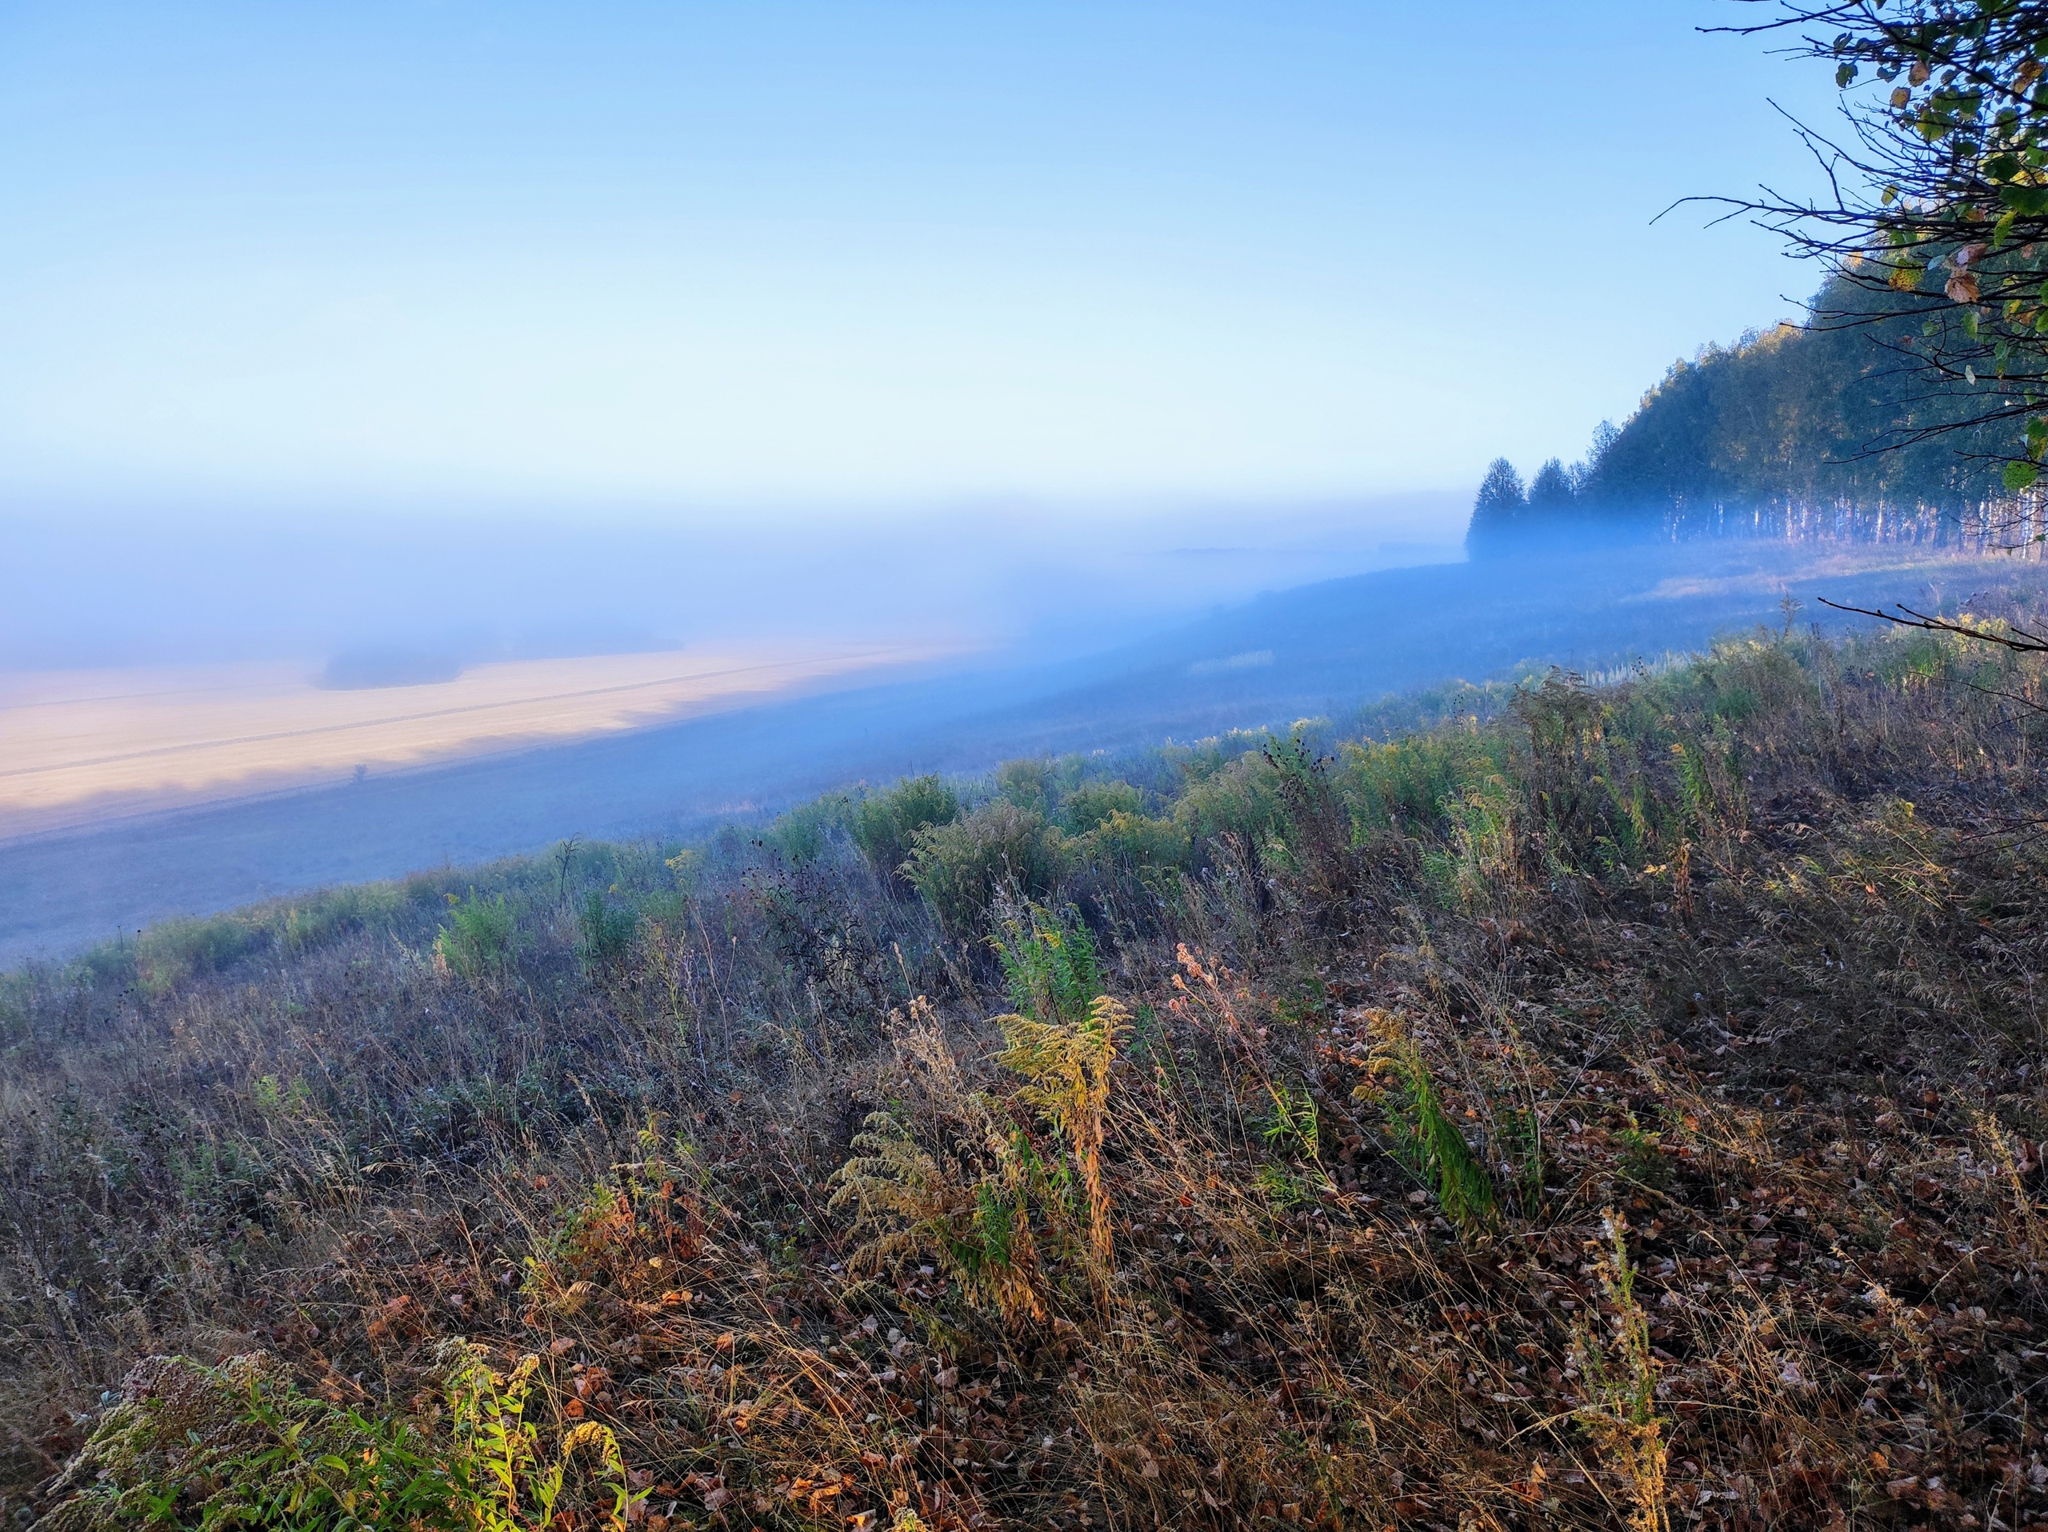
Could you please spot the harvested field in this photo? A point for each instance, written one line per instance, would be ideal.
(89, 745)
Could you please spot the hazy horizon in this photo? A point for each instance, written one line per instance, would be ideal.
(457, 346)
(95, 586)
(853, 255)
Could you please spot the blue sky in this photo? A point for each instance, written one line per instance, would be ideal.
(842, 253)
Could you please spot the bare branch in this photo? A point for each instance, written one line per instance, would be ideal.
(2017, 638)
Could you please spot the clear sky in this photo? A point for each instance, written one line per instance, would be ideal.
(847, 251)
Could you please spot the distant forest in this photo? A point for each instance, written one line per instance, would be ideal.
(1825, 430)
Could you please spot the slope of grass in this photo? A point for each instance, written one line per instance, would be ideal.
(1537, 1106)
(1311, 651)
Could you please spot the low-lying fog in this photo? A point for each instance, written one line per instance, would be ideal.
(310, 708)
(356, 593)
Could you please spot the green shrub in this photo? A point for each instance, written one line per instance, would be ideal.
(111, 965)
(1026, 783)
(1050, 966)
(961, 867)
(1092, 803)
(886, 826)
(318, 920)
(1414, 783)
(604, 931)
(167, 955)
(478, 939)
(1135, 844)
(17, 1005)
(684, 868)
(1204, 758)
(803, 834)
(1242, 799)
(198, 1447)
(425, 888)
(237, 1446)
(1477, 869)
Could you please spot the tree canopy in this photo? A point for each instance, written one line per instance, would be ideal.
(1793, 428)
(1501, 509)
(1935, 222)
(1915, 397)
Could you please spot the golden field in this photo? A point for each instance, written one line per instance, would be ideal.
(78, 746)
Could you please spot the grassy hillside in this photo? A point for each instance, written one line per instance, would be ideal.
(1521, 1106)
(1310, 651)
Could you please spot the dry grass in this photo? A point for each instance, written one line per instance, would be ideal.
(1733, 575)
(1626, 1113)
(86, 745)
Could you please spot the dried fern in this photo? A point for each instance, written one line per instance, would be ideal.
(906, 1203)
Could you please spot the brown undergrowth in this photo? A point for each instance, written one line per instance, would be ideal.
(1626, 1112)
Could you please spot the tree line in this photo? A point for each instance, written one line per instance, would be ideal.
(1913, 402)
(1826, 429)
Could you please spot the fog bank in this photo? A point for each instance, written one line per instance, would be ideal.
(98, 586)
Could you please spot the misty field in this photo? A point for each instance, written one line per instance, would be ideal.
(89, 745)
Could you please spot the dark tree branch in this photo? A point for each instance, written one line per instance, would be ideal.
(2017, 639)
